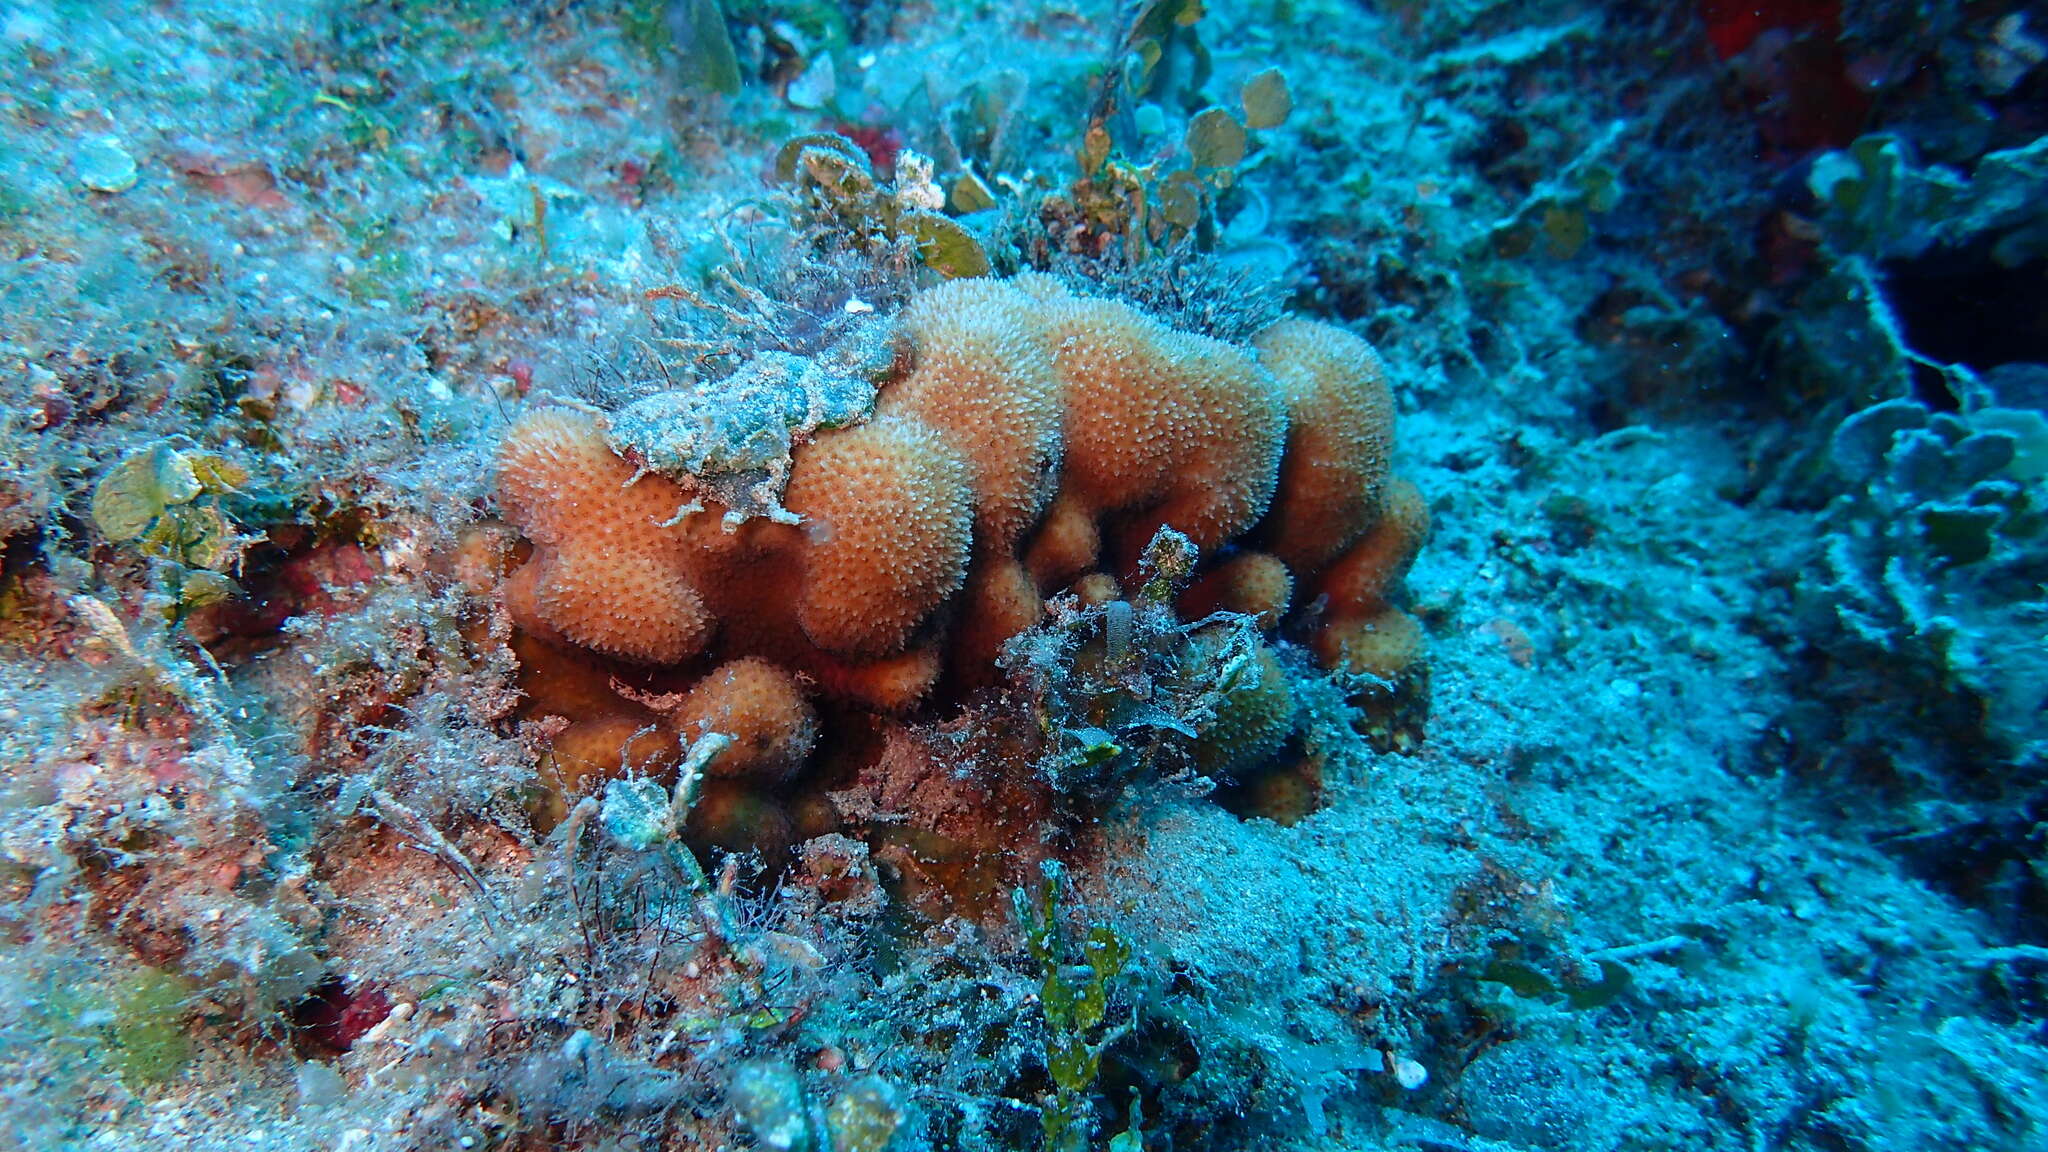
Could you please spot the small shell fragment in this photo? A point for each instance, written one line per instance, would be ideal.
(103, 165)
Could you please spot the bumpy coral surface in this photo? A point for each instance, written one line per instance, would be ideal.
(1340, 424)
(1363, 630)
(760, 708)
(886, 509)
(1727, 830)
(1029, 442)
(610, 572)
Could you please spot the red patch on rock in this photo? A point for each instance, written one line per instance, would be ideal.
(882, 142)
(1733, 25)
(246, 182)
(334, 1016)
(1800, 84)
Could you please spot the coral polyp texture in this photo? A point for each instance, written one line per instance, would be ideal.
(610, 573)
(1028, 438)
(761, 709)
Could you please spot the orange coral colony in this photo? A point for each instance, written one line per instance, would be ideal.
(1024, 440)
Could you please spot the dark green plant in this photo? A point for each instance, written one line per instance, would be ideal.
(1126, 691)
(774, 1105)
(692, 34)
(149, 1038)
(1531, 983)
(1075, 992)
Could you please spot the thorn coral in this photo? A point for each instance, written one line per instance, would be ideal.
(1163, 427)
(1253, 720)
(761, 709)
(1358, 581)
(1025, 441)
(1380, 644)
(607, 574)
(599, 747)
(1002, 600)
(983, 378)
(1065, 546)
(1254, 583)
(1339, 438)
(887, 510)
(1363, 632)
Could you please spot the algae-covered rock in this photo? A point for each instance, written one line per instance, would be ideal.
(150, 1036)
(865, 1117)
(768, 1095)
(731, 439)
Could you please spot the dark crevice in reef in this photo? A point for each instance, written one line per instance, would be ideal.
(330, 1018)
(1961, 306)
